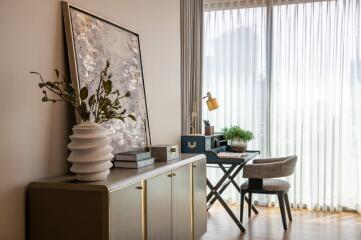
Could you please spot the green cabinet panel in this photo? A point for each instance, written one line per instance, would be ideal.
(181, 203)
(126, 213)
(199, 198)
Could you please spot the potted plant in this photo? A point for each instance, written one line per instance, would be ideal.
(238, 137)
(91, 153)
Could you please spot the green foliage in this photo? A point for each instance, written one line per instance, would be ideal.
(103, 105)
(237, 132)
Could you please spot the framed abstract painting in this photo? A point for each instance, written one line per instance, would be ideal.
(91, 42)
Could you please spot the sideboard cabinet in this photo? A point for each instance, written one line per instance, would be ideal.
(169, 205)
(164, 201)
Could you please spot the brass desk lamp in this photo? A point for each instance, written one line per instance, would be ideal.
(212, 104)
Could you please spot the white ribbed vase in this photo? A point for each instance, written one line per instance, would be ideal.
(91, 153)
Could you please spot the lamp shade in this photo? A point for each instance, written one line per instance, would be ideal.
(212, 103)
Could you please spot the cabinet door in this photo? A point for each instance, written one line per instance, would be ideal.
(181, 204)
(126, 213)
(199, 198)
(159, 207)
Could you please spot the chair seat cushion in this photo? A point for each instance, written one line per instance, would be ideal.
(271, 185)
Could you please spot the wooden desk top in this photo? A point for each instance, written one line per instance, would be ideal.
(120, 177)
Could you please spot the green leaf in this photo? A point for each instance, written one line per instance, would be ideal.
(237, 132)
(52, 85)
(131, 117)
(83, 93)
(107, 85)
(41, 85)
(127, 94)
(44, 99)
(91, 100)
(84, 113)
(69, 89)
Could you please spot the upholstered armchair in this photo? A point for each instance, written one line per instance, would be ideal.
(261, 180)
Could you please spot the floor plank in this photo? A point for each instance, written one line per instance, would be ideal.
(306, 225)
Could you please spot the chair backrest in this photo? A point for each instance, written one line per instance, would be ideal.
(271, 168)
(288, 166)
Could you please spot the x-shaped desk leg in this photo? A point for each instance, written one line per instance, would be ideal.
(224, 204)
(231, 178)
(221, 181)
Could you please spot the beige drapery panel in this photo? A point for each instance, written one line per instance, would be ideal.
(191, 64)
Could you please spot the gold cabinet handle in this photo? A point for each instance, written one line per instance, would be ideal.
(139, 187)
(194, 165)
(173, 174)
(169, 175)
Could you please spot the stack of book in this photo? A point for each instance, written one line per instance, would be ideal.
(134, 159)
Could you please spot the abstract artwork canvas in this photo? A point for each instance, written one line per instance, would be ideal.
(91, 41)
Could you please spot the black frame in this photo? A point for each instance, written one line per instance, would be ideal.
(72, 54)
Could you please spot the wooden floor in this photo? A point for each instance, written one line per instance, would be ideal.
(306, 225)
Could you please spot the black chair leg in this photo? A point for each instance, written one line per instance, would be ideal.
(242, 205)
(280, 196)
(249, 204)
(288, 207)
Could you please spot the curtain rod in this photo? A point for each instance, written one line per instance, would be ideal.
(210, 5)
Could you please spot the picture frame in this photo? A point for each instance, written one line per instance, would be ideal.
(91, 41)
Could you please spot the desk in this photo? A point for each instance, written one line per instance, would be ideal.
(210, 146)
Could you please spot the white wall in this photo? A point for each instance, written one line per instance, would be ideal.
(33, 135)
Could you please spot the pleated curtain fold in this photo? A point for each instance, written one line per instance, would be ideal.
(191, 65)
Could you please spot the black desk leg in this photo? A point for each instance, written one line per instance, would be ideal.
(231, 180)
(225, 206)
(238, 187)
(221, 181)
(231, 176)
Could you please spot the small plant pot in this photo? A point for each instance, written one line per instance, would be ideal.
(238, 145)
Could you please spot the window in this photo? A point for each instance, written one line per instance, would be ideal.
(291, 74)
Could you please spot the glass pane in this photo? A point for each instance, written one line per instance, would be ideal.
(234, 69)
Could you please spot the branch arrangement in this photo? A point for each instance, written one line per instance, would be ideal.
(103, 105)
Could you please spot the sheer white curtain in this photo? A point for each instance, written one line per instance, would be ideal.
(315, 100)
(290, 72)
(235, 71)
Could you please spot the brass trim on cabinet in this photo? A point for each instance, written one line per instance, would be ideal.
(144, 210)
(191, 199)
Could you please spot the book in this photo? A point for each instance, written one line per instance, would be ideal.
(132, 156)
(134, 164)
(231, 155)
